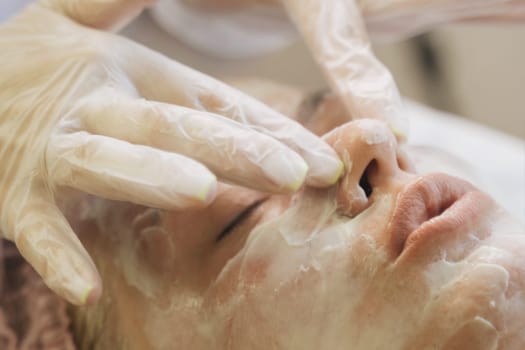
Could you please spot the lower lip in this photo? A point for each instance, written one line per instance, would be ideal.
(434, 205)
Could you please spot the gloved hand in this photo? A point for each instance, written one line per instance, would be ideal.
(335, 32)
(336, 35)
(337, 38)
(89, 110)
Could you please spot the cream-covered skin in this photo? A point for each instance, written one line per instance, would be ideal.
(384, 260)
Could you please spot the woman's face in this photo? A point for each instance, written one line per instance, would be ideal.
(384, 260)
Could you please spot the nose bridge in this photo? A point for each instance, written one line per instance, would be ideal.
(368, 149)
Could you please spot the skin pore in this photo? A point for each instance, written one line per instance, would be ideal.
(385, 259)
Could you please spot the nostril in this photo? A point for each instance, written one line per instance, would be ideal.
(365, 185)
(364, 181)
(354, 197)
(368, 149)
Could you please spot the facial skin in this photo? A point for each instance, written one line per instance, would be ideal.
(323, 269)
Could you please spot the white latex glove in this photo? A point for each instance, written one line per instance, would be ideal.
(335, 32)
(89, 110)
(336, 35)
(337, 38)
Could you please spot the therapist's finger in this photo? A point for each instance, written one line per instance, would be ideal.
(101, 14)
(161, 79)
(230, 150)
(45, 239)
(337, 38)
(324, 165)
(118, 170)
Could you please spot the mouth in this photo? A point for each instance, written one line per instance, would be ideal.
(434, 209)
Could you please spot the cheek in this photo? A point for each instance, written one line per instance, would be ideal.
(286, 301)
(155, 250)
(290, 285)
(285, 292)
(288, 254)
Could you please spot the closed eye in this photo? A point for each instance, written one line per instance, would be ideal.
(239, 219)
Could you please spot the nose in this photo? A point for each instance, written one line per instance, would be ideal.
(368, 150)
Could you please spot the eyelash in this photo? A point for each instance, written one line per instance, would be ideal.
(239, 219)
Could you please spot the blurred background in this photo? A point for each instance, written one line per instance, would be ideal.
(474, 70)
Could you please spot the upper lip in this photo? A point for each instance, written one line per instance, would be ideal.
(431, 205)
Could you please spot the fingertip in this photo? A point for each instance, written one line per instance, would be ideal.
(209, 191)
(400, 128)
(196, 189)
(77, 290)
(64, 270)
(83, 288)
(401, 135)
(340, 167)
(286, 169)
(325, 170)
(300, 178)
(92, 295)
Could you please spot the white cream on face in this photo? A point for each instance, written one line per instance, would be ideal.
(314, 278)
(301, 284)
